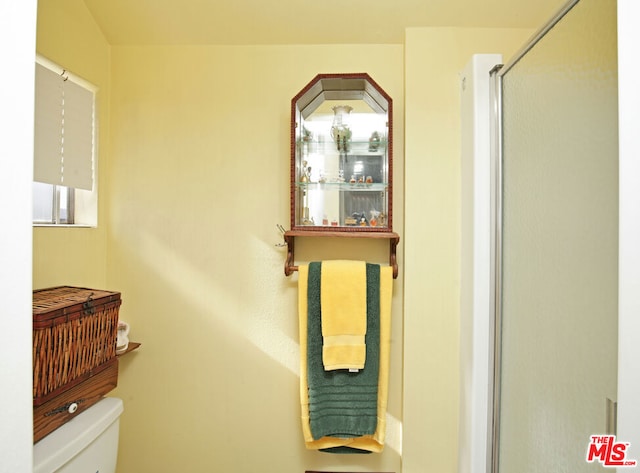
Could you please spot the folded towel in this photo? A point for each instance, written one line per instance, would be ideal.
(342, 403)
(343, 296)
(364, 443)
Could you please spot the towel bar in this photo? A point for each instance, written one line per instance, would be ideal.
(289, 238)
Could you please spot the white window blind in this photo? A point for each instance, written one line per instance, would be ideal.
(64, 124)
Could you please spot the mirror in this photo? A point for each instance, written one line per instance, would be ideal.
(341, 155)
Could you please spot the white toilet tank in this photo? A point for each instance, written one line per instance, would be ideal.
(87, 443)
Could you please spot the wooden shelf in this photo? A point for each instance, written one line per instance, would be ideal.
(289, 238)
(132, 346)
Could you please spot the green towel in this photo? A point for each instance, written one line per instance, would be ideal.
(341, 403)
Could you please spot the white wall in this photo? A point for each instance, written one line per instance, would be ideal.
(17, 33)
(475, 287)
(629, 260)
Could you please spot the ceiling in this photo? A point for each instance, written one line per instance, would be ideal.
(239, 22)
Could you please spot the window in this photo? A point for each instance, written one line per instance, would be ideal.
(53, 204)
(64, 148)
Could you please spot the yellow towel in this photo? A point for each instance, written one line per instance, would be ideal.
(343, 295)
(372, 443)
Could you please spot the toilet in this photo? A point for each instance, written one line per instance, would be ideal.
(88, 442)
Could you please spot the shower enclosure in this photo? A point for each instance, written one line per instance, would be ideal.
(557, 245)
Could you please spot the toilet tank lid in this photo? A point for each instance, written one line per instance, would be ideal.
(67, 441)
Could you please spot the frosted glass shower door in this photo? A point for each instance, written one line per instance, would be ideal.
(559, 244)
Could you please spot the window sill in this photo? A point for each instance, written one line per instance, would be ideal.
(64, 225)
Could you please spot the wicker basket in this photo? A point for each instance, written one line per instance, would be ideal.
(74, 336)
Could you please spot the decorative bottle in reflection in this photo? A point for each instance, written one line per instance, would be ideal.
(340, 131)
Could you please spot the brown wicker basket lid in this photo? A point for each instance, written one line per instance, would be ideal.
(66, 300)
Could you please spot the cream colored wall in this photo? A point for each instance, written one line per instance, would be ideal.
(434, 57)
(198, 180)
(68, 36)
(193, 179)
